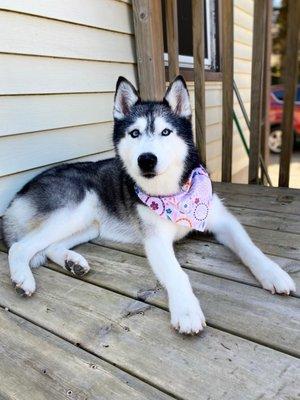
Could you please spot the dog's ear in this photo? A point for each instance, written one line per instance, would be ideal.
(177, 97)
(125, 97)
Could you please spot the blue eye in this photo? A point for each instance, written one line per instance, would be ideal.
(135, 133)
(166, 132)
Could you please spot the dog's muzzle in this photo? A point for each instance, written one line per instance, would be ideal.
(147, 163)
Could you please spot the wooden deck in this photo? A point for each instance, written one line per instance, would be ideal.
(107, 336)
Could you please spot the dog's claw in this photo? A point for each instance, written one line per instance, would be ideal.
(19, 290)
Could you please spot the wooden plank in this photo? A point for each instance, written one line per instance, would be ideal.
(227, 88)
(111, 268)
(203, 254)
(288, 204)
(124, 332)
(147, 17)
(11, 184)
(257, 89)
(36, 149)
(267, 219)
(105, 14)
(172, 38)
(199, 79)
(32, 75)
(290, 77)
(38, 365)
(256, 191)
(265, 128)
(59, 39)
(277, 243)
(22, 114)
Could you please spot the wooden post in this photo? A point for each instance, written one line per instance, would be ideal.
(257, 92)
(198, 52)
(289, 80)
(172, 38)
(227, 88)
(147, 17)
(265, 129)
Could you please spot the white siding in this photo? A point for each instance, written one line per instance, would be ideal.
(213, 102)
(59, 63)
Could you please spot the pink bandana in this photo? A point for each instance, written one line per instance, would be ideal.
(189, 207)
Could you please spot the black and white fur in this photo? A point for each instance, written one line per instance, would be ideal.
(74, 203)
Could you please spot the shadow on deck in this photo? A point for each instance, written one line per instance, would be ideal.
(107, 336)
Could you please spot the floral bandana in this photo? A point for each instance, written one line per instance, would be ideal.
(189, 207)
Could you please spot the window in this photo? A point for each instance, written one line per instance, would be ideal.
(185, 38)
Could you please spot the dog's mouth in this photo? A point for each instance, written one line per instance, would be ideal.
(152, 174)
(149, 175)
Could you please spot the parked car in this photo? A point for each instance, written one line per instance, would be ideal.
(276, 109)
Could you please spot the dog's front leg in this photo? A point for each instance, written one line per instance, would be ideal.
(230, 232)
(186, 313)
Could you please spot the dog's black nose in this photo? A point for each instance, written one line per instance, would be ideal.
(147, 162)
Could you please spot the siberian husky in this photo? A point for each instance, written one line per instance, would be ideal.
(73, 203)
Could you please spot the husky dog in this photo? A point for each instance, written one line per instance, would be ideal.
(74, 203)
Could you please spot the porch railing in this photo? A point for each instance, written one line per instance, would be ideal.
(148, 26)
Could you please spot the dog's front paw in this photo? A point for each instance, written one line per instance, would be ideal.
(24, 282)
(275, 279)
(186, 314)
(76, 264)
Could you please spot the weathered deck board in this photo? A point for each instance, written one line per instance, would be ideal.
(289, 204)
(37, 365)
(282, 222)
(205, 255)
(241, 309)
(282, 244)
(216, 364)
(256, 190)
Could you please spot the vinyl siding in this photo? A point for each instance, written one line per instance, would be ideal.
(59, 63)
(213, 103)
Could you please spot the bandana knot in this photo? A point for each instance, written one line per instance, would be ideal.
(189, 207)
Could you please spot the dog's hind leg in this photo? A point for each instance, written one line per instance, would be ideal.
(230, 232)
(60, 225)
(69, 259)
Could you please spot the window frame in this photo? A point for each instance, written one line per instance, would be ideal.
(186, 63)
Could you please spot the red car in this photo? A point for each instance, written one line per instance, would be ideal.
(276, 108)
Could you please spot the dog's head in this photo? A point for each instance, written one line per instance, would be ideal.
(154, 140)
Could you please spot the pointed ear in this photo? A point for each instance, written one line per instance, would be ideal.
(125, 97)
(177, 96)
